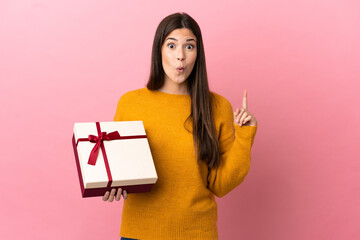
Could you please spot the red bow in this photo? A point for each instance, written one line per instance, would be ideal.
(98, 140)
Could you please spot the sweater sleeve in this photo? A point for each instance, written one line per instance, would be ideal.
(235, 146)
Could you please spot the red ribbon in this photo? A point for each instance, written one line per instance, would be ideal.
(99, 143)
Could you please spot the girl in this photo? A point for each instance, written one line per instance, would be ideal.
(200, 147)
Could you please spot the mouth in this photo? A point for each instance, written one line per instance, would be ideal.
(180, 69)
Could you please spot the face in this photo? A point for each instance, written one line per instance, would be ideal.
(178, 56)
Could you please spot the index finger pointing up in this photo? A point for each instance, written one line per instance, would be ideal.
(245, 106)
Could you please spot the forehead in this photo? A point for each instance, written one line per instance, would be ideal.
(181, 34)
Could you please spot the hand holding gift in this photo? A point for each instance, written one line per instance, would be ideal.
(109, 196)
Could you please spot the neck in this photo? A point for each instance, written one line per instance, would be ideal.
(174, 88)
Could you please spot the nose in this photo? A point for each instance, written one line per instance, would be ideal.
(180, 54)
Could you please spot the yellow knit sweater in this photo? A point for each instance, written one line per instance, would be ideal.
(180, 206)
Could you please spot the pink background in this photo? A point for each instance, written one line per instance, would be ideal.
(69, 61)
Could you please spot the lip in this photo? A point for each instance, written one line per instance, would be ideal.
(180, 69)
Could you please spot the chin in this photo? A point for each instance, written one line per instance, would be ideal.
(179, 80)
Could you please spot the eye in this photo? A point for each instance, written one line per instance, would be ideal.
(189, 46)
(171, 45)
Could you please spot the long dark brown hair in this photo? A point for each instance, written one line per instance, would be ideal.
(204, 134)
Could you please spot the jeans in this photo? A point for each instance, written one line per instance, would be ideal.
(124, 238)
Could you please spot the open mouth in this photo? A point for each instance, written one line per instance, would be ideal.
(180, 69)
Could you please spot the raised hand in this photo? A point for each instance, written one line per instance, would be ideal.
(242, 116)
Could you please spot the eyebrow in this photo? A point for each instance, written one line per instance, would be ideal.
(187, 40)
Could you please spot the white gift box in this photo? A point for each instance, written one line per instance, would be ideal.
(127, 163)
